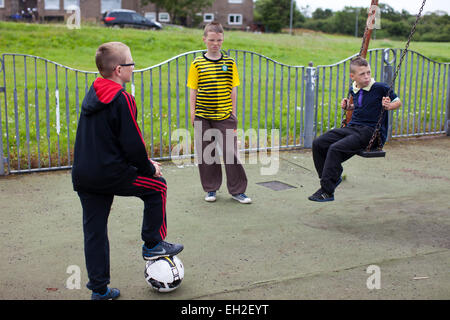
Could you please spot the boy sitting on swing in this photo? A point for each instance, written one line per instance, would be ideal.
(334, 147)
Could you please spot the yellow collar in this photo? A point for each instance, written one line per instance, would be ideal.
(356, 89)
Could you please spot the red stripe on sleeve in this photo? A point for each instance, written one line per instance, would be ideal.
(130, 107)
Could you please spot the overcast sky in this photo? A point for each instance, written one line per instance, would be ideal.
(412, 6)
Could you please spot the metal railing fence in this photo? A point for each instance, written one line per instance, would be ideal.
(279, 105)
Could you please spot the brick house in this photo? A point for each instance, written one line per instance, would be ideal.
(232, 14)
(90, 10)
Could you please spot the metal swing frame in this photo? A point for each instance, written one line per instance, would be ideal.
(371, 151)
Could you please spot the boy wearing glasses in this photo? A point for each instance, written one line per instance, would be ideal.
(110, 159)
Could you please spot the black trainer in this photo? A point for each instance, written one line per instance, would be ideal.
(339, 182)
(321, 196)
(110, 294)
(162, 249)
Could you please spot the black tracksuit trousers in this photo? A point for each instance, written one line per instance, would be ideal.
(96, 209)
(334, 147)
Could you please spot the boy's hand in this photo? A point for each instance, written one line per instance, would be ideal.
(155, 162)
(344, 104)
(158, 172)
(192, 118)
(158, 169)
(386, 103)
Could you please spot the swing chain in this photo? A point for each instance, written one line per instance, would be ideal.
(376, 133)
(349, 107)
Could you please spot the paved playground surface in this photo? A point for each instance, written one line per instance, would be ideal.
(392, 213)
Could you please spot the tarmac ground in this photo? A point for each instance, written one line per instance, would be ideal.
(385, 237)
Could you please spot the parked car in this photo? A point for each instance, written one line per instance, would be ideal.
(129, 18)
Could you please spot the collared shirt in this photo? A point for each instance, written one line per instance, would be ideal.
(356, 89)
(368, 105)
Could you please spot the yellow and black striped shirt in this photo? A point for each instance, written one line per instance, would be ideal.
(213, 80)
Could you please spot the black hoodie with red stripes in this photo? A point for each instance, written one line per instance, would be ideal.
(109, 147)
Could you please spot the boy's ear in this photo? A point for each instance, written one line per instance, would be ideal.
(116, 71)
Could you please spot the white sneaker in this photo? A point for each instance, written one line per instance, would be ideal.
(210, 196)
(242, 198)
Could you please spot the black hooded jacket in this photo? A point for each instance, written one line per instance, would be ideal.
(109, 147)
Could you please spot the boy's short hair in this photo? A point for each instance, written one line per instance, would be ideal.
(212, 27)
(358, 62)
(108, 56)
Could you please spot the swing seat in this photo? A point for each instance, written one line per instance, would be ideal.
(372, 153)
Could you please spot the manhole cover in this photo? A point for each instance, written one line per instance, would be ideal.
(276, 185)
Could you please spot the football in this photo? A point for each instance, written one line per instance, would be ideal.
(164, 274)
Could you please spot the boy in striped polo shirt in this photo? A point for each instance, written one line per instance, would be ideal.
(213, 81)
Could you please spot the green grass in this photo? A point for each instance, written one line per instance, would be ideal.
(76, 49)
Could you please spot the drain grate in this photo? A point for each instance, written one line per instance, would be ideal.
(276, 185)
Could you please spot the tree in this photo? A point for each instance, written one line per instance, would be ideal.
(275, 14)
(179, 10)
(319, 13)
(344, 20)
(433, 26)
(398, 29)
(388, 13)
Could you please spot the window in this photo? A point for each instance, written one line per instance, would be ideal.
(137, 17)
(164, 17)
(235, 19)
(235, 1)
(71, 4)
(208, 17)
(108, 5)
(2, 3)
(150, 16)
(51, 5)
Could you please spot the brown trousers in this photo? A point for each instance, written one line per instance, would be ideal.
(210, 134)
